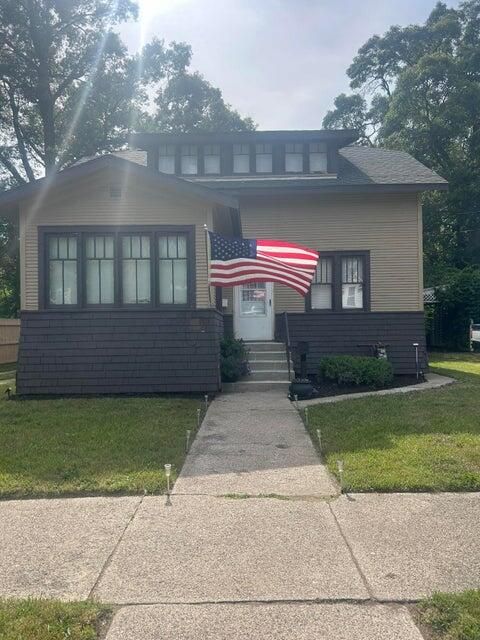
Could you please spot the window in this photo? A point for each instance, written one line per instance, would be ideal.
(136, 267)
(352, 282)
(318, 157)
(321, 291)
(294, 157)
(62, 270)
(263, 158)
(166, 158)
(172, 269)
(341, 282)
(188, 159)
(117, 267)
(241, 158)
(211, 159)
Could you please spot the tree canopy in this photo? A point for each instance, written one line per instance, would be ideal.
(418, 89)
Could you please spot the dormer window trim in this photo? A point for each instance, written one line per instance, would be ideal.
(189, 159)
(263, 158)
(241, 161)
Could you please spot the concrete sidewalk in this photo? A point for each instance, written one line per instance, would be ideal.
(254, 443)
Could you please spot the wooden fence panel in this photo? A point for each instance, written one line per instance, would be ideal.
(9, 336)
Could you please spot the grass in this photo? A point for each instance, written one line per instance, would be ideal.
(51, 620)
(451, 616)
(52, 447)
(428, 441)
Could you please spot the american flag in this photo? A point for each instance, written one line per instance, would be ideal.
(235, 261)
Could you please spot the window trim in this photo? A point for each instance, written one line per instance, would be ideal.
(337, 282)
(44, 232)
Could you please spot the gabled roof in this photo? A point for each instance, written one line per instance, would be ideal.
(117, 161)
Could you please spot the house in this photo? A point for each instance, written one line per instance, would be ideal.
(114, 275)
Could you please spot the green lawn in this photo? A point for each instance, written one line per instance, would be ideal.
(428, 441)
(71, 446)
(451, 616)
(51, 620)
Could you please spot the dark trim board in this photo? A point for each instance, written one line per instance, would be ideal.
(353, 333)
(115, 351)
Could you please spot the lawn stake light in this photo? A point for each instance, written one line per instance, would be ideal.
(206, 402)
(187, 444)
(319, 438)
(340, 473)
(168, 470)
(295, 397)
(199, 414)
(417, 364)
(306, 416)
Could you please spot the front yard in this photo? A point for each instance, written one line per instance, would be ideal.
(111, 445)
(450, 616)
(428, 441)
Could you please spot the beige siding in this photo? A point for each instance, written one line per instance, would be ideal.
(88, 202)
(389, 226)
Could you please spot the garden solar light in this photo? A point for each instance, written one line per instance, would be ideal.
(340, 473)
(199, 413)
(206, 401)
(319, 438)
(306, 416)
(168, 470)
(187, 445)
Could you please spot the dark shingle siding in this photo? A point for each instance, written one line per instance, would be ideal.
(119, 352)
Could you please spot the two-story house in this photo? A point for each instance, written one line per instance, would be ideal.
(114, 269)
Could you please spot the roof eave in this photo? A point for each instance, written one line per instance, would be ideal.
(9, 199)
(260, 190)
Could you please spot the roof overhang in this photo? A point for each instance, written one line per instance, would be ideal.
(10, 199)
(341, 137)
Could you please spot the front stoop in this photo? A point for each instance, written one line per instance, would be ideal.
(268, 369)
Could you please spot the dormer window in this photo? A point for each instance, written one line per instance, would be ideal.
(318, 157)
(263, 158)
(294, 157)
(211, 159)
(166, 158)
(188, 159)
(241, 158)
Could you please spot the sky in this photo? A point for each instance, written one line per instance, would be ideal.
(282, 62)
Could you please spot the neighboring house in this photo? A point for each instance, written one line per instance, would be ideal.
(114, 281)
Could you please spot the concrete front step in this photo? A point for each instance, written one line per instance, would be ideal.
(255, 385)
(267, 355)
(257, 347)
(267, 365)
(258, 376)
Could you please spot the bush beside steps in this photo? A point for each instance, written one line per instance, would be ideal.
(376, 373)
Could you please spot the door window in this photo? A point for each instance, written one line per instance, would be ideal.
(253, 299)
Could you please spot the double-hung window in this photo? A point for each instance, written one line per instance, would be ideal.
(188, 159)
(241, 158)
(211, 159)
(166, 158)
(318, 157)
(340, 282)
(263, 158)
(108, 267)
(294, 157)
(62, 270)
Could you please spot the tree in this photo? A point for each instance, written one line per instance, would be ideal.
(426, 79)
(189, 103)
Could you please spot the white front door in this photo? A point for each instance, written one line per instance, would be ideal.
(253, 316)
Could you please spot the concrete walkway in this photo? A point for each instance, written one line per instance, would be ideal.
(254, 443)
(204, 565)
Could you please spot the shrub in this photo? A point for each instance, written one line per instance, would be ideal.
(233, 359)
(357, 370)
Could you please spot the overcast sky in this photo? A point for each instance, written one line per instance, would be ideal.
(282, 62)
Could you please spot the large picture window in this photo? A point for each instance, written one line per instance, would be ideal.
(126, 267)
(341, 282)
